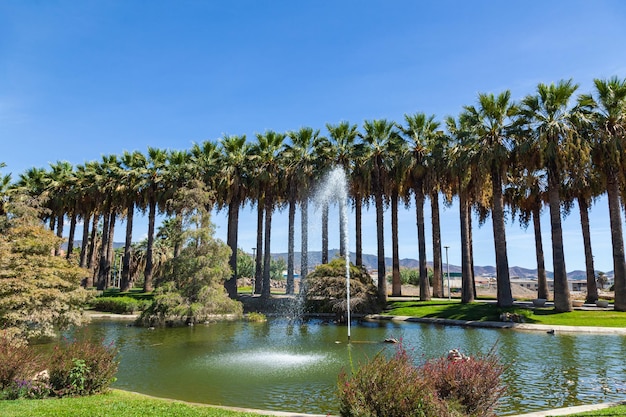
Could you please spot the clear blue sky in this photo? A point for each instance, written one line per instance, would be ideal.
(80, 79)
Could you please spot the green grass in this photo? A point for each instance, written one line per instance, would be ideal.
(113, 404)
(490, 312)
(136, 293)
(619, 410)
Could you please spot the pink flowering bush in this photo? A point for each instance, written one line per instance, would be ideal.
(451, 386)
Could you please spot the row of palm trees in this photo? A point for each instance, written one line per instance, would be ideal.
(549, 149)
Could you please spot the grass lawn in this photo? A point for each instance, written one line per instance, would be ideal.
(619, 410)
(113, 404)
(480, 311)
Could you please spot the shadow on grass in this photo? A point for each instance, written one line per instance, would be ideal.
(455, 310)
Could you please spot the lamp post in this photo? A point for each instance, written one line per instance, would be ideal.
(253, 268)
(448, 272)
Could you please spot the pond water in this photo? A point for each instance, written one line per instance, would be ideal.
(286, 366)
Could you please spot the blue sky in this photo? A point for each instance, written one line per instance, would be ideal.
(81, 79)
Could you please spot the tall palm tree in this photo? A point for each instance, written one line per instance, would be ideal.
(267, 155)
(526, 196)
(380, 138)
(152, 187)
(461, 171)
(59, 182)
(234, 163)
(490, 122)
(421, 133)
(607, 112)
(397, 186)
(300, 161)
(133, 164)
(548, 117)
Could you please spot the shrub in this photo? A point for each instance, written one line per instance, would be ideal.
(471, 384)
(82, 368)
(388, 388)
(455, 385)
(18, 362)
(119, 305)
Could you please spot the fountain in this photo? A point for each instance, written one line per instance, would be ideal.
(334, 188)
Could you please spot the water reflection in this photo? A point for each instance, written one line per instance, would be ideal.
(289, 366)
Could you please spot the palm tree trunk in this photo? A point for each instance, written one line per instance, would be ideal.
(542, 279)
(267, 258)
(128, 241)
(93, 244)
(396, 281)
(232, 238)
(325, 232)
(467, 291)
(291, 246)
(592, 288)
(617, 239)
(85, 242)
(358, 221)
(59, 222)
(437, 260)
(380, 239)
(110, 258)
(258, 265)
(304, 251)
(70, 239)
(147, 283)
(104, 245)
(421, 243)
(562, 300)
(503, 280)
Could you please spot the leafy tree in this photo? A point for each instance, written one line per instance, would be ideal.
(327, 285)
(191, 287)
(39, 292)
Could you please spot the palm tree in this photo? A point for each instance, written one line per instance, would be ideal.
(380, 138)
(461, 173)
(549, 119)
(526, 196)
(152, 187)
(399, 164)
(345, 151)
(234, 163)
(267, 155)
(58, 184)
(300, 160)
(5, 182)
(490, 123)
(133, 163)
(421, 133)
(607, 113)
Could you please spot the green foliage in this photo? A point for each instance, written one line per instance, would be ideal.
(39, 292)
(82, 368)
(256, 317)
(327, 285)
(119, 305)
(72, 368)
(190, 288)
(115, 403)
(449, 386)
(245, 264)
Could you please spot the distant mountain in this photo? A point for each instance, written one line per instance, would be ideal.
(371, 263)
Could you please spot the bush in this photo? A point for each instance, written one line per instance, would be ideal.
(82, 368)
(455, 385)
(388, 388)
(119, 305)
(19, 364)
(471, 384)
